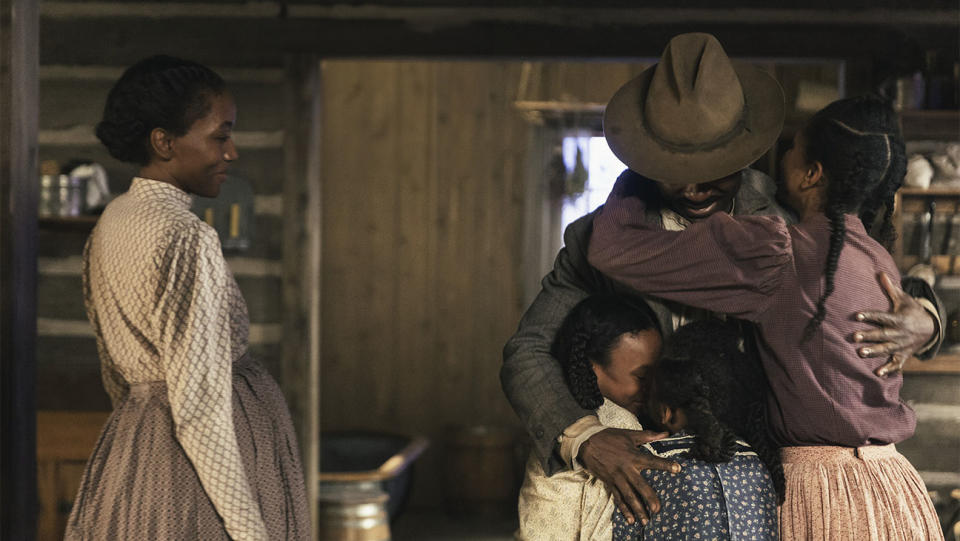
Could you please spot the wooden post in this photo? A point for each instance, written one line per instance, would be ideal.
(19, 58)
(301, 262)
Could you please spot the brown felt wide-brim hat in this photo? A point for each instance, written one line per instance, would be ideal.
(628, 133)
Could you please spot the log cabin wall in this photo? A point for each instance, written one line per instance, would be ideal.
(424, 183)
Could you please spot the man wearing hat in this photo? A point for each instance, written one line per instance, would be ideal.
(688, 128)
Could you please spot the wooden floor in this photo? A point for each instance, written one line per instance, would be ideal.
(434, 525)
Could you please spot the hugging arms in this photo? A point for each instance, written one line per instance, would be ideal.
(534, 383)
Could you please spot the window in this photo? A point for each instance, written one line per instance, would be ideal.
(602, 169)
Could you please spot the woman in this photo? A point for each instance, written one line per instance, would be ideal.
(837, 420)
(608, 346)
(200, 444)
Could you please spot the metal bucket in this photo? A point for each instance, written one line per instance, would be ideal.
(351, 515)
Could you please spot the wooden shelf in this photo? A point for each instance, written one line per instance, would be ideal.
(945, 363)
(921, 124)
(913, 202)
(930, 114)
(68, 223)
(943, 265)
(933, 191)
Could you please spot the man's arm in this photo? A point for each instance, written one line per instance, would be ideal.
(534, 384)
(531, 378)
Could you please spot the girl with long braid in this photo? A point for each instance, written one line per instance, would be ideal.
(608, 347)
(835, 419)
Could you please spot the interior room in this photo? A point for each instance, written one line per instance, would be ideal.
(406, 173)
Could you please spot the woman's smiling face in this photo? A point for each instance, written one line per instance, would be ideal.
(202, 156)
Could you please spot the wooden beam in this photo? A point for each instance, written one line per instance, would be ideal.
(300, 369)
(946, 363)
(19, 53)
(121, 41)
(454, 14)
(84, 136)
(112, 73)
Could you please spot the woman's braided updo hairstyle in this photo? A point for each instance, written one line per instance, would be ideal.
(589, 333)
(721, 391)
(156, 92)
(858, 142)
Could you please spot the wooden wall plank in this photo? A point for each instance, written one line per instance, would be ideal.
(350, 173)
(375, 218)
(412, 315)
(460, 147)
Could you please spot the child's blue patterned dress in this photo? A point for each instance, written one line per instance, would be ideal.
(729, 500)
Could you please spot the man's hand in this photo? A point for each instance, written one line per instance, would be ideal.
(615, 457)
(903, 331)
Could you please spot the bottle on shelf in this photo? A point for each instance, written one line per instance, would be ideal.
(60, 194)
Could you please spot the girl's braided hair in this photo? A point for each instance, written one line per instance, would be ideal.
(156, 92)
(720, 389)
(588, 334)
(858, 142)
